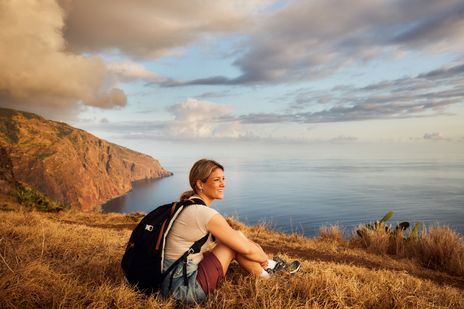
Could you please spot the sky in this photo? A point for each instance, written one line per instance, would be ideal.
(299, 72)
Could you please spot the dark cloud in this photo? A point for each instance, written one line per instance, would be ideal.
(265, 118)
(435, 24)
(215, 94)
(146, 28)
(449, 72)
(312, 39)
(425, 95)
(215, 80)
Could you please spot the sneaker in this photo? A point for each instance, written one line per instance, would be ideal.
(293, 267)
(282, 265)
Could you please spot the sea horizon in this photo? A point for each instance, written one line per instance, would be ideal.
(302, 192)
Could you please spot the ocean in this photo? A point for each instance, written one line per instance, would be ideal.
(301, 193)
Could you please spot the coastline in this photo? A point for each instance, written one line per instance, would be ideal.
(100, 208)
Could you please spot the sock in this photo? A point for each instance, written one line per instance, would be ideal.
(264, 274)
(271, 264)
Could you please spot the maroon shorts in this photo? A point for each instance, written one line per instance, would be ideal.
(209, 272)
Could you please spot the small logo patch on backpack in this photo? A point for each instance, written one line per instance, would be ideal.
(149, 227)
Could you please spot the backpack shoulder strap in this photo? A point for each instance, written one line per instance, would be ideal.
(176, 209)
(194, 248)
(194, 201)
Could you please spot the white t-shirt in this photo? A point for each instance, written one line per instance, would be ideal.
(190, 226)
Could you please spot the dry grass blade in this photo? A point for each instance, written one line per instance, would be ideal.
(3, 259)
(333, 232)
(440, 248)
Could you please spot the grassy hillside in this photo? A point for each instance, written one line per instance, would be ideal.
(71, 259)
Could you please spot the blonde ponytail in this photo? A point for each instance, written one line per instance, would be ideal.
(186, 195)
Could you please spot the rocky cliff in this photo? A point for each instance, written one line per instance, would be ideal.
(68, 164)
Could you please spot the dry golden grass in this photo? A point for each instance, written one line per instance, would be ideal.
(332, 232)
(71, 259)
(376, 240)
(438, 248)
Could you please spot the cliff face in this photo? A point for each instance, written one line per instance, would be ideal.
(68, 164)
(7, 181)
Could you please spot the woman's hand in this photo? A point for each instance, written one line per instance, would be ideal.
(264, 264)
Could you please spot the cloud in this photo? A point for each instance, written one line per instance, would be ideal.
(38, 74)
(344, 139)
(425, 95)
(444, 73)
(312, 39)
(440, 23)
(263, 118)
(215, 94)
(201, 119)
(150, 29)
(215, 80)
(131, 71)
(436, 136)
(46, 47)
(191, 120)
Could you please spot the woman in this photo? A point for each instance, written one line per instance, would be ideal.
(207, 268)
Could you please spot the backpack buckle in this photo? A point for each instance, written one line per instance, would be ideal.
(149, 227)
(190, 251)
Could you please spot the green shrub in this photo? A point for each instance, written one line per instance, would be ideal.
(34, 199)
(398, 231)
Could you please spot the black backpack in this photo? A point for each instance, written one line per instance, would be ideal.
(142, 262)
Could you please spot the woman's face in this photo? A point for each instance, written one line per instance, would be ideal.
(213, 188)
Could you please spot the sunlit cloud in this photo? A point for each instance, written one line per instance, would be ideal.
(436, 136)
(150, 29)
(200, 119)
(37, 73)
(49, 49)
(131, 71)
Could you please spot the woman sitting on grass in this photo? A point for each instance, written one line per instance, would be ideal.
(206, 269)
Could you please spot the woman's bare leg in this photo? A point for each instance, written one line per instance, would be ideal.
(250, 266)
(225, 255)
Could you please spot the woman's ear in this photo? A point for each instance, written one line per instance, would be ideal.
(199, 185)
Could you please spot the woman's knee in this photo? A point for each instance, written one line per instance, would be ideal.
(223, 251)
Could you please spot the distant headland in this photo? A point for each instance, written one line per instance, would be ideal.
(67, 164)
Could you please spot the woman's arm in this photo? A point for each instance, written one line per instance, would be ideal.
(235, 240)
